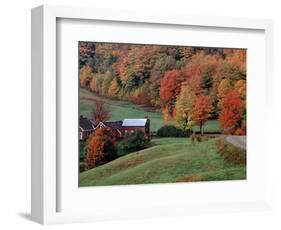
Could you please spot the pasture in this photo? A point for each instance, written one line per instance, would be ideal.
(169, 160)
(118, 110)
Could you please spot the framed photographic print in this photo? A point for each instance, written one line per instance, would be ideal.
(138, 114)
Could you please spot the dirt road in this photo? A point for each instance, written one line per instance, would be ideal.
(238, 141)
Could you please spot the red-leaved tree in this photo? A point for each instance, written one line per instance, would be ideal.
(170, 88)
(231, 112)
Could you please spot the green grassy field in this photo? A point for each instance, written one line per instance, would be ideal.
(168, 160)
(119, 109)
(124, 109)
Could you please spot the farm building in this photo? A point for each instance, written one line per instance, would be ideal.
(131, 125)
(120, 128)
(86, 128)
(115, 126)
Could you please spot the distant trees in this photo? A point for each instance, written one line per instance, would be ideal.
(207, 80)
(100, 112)
(170, 87)
(101, 148)
(156, 76)
(86, 76)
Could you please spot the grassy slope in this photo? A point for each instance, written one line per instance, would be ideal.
(170, 160)
(121, 109)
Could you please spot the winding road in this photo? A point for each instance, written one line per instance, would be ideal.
(238, 141)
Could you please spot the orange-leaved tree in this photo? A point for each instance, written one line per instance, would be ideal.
(170, 88)
(202, 110)
(230, 116)
(100, 148)
(85, 76)
(166, 115)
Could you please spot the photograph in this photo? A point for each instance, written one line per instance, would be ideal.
(153, 113)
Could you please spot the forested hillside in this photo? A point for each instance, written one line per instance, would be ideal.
(188, 85)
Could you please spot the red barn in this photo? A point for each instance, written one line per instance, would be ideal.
(120, 128)
(131, 125)
(86, 127)
(115, 126)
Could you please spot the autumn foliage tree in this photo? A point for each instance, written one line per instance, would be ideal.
(171, 79)
(170, 88)
(166, 115)
(86, 76)
(100, 148)
(231, 112)
(184, 109)
(100, 112)
(202, 110)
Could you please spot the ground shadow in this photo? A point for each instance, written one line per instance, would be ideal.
(25, 215)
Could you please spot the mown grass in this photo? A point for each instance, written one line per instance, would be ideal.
(169, 160)
(124, 109)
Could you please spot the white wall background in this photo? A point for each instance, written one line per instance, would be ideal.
(15, 112)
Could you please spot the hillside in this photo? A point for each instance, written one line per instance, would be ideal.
(168, 160)
(121, 109)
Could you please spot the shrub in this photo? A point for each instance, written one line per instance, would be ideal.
(230, 153)
(172, 131)
(134, 141)
(198, 138)
(193, 137)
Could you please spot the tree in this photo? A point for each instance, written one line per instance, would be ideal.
(100, 148)
(100, 113)
(184, 109)
(207, 80)
(85, 76)
(86, 53)
(106, 82)
(202, 109)
(240, 87)
(223, 89)
(231, 112)
(164, 62)
(113, 88)
(170, 88)
(199, 72)
(166, 115)
(233, 67)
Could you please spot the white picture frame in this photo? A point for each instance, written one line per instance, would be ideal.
(46, 183)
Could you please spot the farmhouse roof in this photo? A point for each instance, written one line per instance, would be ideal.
(85, 123)
(134, 122)
(113, 124)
